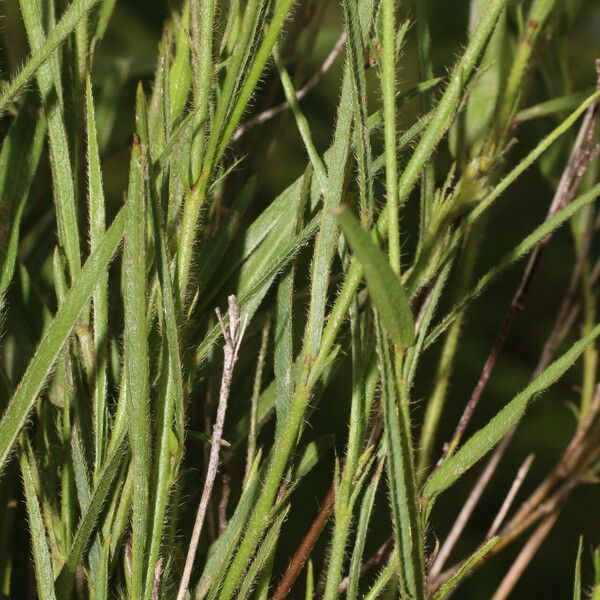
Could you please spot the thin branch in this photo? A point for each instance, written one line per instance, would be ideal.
(272, 112)
(286, 583)
(466, 511)
(525, 556)
(514, 489)
(260, 363)
(233, 339)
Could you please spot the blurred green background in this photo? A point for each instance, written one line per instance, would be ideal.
(130, 48)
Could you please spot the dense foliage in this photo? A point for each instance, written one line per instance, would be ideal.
(236, 267)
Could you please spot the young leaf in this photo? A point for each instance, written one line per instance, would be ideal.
(41, 555)
(385, 288)
(446, 589)
(487, 437)
(104, 487)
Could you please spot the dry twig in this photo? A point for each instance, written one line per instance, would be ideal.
(272, 112)
(233, 339)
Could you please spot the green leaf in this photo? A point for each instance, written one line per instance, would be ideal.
(366, 508)
(385, 288)
(180, 73)
(42, 561)
(104, 487)
(49, 83)
(301, 123)
(283, 355)
(553, 106)
(74, 13)
(97, 219)
(56, 336)
(596, 591)
(136, 358)
(481, 102)
(251, 297)
(336, 160)
(355, 43)
(19, 158)
(465, 568)
(220, 552)
(312, 455)
(491, 434)
(171, 398)
(401, 476)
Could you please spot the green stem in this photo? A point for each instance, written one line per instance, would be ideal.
(259, 520)
(538, 14)
(388, 85)
(343, 499)
(220, 137)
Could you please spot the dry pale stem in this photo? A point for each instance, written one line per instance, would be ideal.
(233, 339)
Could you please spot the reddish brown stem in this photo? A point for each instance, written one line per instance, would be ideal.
(303, 551)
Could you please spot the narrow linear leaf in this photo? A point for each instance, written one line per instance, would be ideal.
(251, 297)
(136, 360)
(87, 523)
(467, 566)
(222, 549)
(488, 436)
(266, 548)
(401, 477)
(97, 217)
(49, 84)
(384, 285)
(74, 13)
(55, 337)
(283, 355)
(167, 457)
(553, 106)
(336, 160)
(366, 509)
(42, 561)
(19, 158)
(301, 123)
